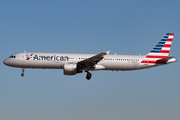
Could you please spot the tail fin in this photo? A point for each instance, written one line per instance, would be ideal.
(161, 50)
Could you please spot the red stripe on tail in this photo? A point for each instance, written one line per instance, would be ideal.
(169, 40)
(167, 45)
(153, 56)
(153, 62)
(164, 51)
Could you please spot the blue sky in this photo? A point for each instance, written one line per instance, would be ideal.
(124, 27)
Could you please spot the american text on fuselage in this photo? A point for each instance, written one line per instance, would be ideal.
(51, 58)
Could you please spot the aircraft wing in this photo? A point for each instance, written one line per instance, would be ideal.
(90, 62)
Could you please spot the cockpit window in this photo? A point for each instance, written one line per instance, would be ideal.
(12, 56)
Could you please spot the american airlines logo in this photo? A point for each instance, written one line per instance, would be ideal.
(28, 57)
(51, 58)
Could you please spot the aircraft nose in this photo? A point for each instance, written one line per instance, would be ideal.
(5, 62)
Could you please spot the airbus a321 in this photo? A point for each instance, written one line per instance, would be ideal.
(77, 63)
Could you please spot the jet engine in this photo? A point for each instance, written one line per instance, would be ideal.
(70, 69)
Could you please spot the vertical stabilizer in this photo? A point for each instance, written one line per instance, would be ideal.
(161, 50)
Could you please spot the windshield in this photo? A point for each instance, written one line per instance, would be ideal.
(12, 56)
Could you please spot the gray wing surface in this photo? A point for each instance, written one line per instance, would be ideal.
(90, 62)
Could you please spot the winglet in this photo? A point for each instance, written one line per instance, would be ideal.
(108, 52)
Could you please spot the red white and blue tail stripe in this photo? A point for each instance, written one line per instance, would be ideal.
(160, 51)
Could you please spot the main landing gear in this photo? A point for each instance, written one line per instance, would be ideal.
(88, 76)
(22, 74)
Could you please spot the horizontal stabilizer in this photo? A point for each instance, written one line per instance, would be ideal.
(166, 60)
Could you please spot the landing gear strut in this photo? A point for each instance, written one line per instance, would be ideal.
(22, 74)
(88, 76)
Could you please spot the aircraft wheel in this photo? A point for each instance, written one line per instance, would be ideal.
(88, 76)
(22, 74)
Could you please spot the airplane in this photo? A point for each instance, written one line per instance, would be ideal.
(77, 63)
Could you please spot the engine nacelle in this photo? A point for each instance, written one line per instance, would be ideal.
(70, 69)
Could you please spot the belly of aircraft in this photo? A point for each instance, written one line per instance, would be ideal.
(39, 64)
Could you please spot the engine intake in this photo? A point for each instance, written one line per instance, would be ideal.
(70, 69)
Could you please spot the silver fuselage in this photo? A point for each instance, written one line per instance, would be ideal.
(57, 60)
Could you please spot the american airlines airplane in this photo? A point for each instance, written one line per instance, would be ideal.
(77, 63)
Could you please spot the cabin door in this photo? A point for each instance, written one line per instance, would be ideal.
(23, 57)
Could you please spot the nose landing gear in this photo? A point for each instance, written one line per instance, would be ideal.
(22, 74)
(88, 76)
